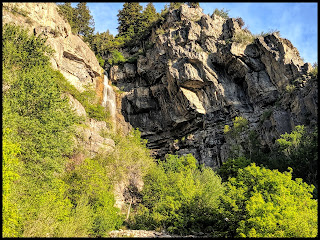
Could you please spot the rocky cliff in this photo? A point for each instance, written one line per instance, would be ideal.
(72, 57)
(198, 72)
(75, 60)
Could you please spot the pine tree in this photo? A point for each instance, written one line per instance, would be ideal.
(175, 5)
(68, 13)
(84, 20)
(129, 16)
(149, 15)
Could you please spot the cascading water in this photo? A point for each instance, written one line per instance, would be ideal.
(109, 98)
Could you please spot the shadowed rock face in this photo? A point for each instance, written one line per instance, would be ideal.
(195, 79)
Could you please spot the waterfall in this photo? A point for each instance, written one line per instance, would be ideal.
(109, 98)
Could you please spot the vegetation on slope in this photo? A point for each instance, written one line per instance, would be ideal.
(43, 198)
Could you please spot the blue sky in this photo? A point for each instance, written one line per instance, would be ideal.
(297, 21)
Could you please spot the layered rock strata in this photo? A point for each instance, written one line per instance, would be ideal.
(75, 60)
(200, 73)
(72, 57)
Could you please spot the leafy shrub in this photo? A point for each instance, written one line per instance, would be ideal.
(21, 50)
(222, 13)
(116, 57)
(264, 34)
(314, 71)
(290, 88)
(41, 124)
(129, 156)
(266, 115)
(160, 31)
(266, 203)
(240, 21)
(97, 112)
(243, 37)
(100, 60)
(231, 166)
(239, 125)
(178, 197)
(90, 181)
(10, 162)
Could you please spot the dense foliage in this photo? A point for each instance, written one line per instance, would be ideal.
(38, 126)
(46, 194)
(79, 18)
(259, 202)
(179, 196)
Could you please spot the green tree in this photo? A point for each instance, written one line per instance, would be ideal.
(79, 18)
(102, 43)
(149, 15)
(129, 18)
(84, 21)
(231, 166)
(178, 197)
(300, 151)
(68, 12)
(259, 202)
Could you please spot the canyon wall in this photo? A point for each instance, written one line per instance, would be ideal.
(199, 72)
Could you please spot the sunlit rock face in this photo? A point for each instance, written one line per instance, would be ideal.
(72, 57)
(195, 78)
(76, 61)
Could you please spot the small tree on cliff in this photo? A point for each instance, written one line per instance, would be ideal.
(149, 15)
(79, 18)
(67, 12)
(175, 5)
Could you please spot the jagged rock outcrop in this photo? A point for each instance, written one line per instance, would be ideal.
(197, 77)
(72, 57)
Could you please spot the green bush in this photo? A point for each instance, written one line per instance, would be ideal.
(243, 37)
(90, 181)
(260, 202)
(130, 156)
(21, 50)
(116, 57)
(97, 112)
(222, 13)
(41, 124)
(314, 71)
(10, 162)
(178, 197)
(231, 166)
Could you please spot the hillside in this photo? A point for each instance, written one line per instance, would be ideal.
(201, 130)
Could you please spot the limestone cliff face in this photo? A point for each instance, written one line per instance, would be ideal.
(195, 79)
(74, 59)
